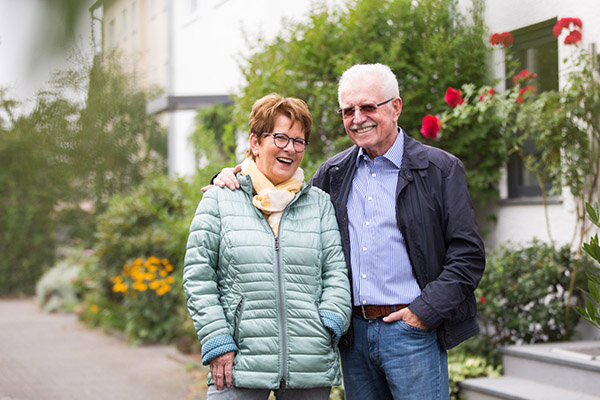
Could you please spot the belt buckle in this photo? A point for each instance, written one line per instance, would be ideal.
(364, 314)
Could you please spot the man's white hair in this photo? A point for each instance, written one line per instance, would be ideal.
(389, 83)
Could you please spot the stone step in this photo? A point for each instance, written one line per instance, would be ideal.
(512, 388)
(569, 365)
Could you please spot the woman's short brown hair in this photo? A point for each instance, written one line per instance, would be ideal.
(266, 109)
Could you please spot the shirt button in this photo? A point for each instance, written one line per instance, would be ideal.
(364, 275)
(373, 175)
(364, 249)
(364, 302)
(367, 223)
(369, 198)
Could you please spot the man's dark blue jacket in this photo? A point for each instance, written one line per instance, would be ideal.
(435, 214)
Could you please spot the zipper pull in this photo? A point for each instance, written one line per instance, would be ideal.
(282, 384)
(276, 243)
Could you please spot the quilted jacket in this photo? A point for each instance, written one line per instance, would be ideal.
(281, 303)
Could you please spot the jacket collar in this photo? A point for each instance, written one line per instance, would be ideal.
(414, 157)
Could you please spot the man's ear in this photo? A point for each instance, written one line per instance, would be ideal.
(397, 106)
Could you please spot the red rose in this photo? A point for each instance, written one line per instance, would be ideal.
(571, 24)
(524, 91)
(506, 39)
(494, 39)
(490, 92)
(482, 300)
(573, 37)
(453, 97)
(431, 126)
(557, 30)
(523, 77)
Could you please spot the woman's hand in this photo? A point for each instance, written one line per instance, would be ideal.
(220, 370)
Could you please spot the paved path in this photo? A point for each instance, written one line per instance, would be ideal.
(55, 357)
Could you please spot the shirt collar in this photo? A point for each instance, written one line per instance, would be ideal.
(394, 153)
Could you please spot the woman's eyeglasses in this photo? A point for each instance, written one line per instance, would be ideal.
(281, 140)
(348, 112)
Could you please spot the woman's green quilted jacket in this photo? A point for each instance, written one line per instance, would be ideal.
(280, 302)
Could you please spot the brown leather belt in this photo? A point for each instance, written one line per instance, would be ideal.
(372, 312)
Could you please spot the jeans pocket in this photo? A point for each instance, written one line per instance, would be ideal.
(411, 328)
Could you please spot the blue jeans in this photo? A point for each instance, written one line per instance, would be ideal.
(393, 361)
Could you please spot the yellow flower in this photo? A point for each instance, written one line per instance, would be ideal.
(169, 267)
(163, 273)
(141, 287)
(164, 288)
(154, 285)
(94, 308)
(170, 279)
(153, 260)
(119, 287)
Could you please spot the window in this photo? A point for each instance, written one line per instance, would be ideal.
(124, 24)
(112, 38)
(133, 17)
(536, 49)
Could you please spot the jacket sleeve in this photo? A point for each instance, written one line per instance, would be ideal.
(200, 280)
(463, 262)
(335, 307)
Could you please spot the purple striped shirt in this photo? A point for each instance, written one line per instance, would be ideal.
(381, 270)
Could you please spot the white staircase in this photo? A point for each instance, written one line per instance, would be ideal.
(549, 371)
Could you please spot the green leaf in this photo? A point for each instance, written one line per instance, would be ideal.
(594, 292)
(591, 311)
(593, 213)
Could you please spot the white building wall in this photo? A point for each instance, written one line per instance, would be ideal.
(208, 38)
(520, 222)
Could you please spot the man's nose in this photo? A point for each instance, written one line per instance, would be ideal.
(359, 115)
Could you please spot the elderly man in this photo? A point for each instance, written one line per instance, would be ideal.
(411, 242)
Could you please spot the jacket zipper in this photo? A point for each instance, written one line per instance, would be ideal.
(282, 382)
(282, 314)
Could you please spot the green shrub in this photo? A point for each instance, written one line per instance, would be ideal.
(591, 311)
(138, 232)
(464, 365)
(522, 297)
(59, 288)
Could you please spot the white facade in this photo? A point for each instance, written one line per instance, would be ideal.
(206, 42)
(521, 221)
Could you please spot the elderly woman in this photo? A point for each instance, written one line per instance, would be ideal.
(265, 277)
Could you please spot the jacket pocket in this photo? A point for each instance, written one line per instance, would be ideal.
(325, 331)
(237, 318)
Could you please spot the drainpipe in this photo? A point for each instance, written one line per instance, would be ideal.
(171, 137)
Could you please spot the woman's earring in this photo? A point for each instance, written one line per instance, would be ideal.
(255, 152)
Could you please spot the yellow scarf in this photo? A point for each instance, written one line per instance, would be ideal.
(271, 199)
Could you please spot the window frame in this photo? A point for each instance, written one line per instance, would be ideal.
(530, 37)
